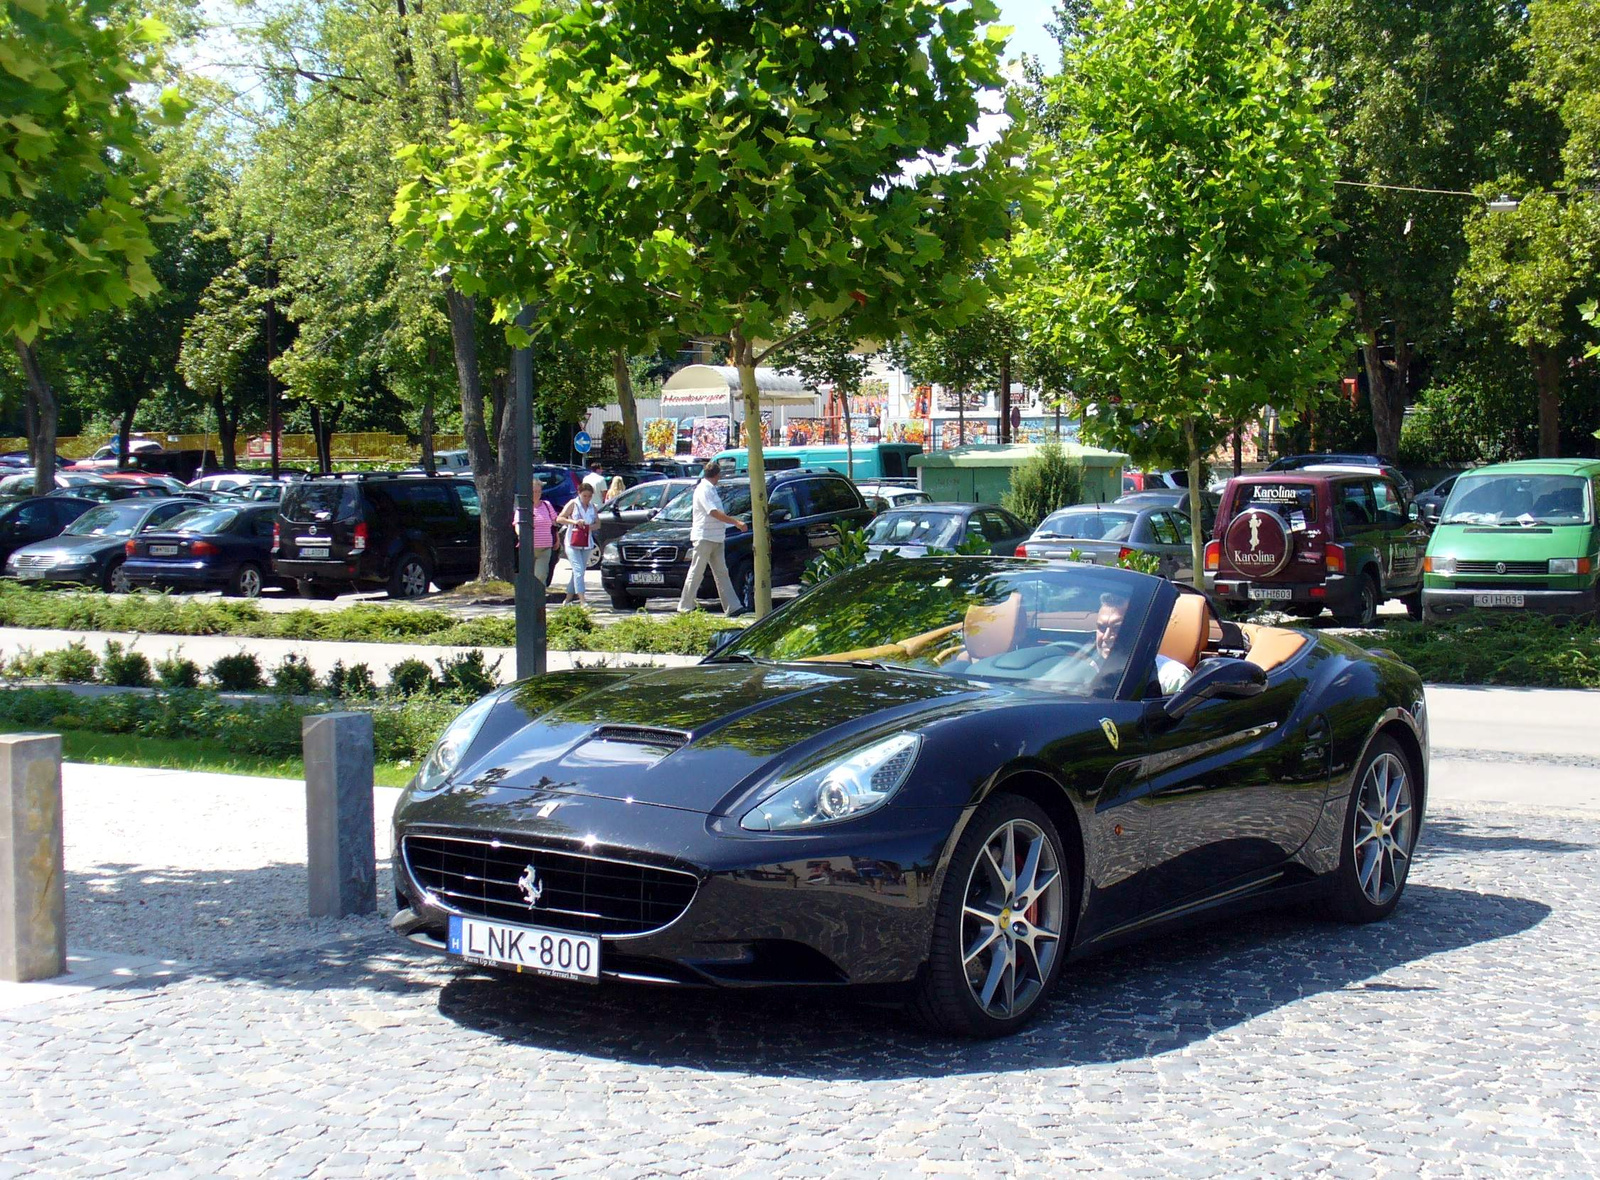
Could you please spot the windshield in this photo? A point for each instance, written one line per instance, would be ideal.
(1069, 630)
(111, 520)
(1295, 502)
(208, 521)
(910, 527)
(1519, 500)
(315, 503)
(1088, 524)
(735, 502)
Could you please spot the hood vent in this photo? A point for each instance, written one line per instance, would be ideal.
(641, 735)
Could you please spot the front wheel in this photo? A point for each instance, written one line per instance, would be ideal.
(621, 600)
(999, 935)
(1413, 603)
(116, 580)
(1380, 833)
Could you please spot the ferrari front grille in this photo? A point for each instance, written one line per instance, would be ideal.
(544, 887)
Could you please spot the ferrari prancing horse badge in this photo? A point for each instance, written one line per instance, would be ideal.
(1112, 735)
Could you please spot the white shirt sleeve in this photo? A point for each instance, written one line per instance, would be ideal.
(1171, 674)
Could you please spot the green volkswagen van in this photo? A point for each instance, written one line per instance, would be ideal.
(1516, 536)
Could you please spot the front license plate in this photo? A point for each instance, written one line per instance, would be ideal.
(304, 552)
(1499, 600)
(647, 578)
(526, 948)
(1270, 594)
(163, 551)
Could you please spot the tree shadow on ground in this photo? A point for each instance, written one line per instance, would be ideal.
(1448, 836)
(1148, 999)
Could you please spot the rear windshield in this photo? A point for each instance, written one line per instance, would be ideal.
(109, 520)
(1079, 524)
(1296, 503)
(1519, 500)
(935, 529)
(205, 521)
(316, 502)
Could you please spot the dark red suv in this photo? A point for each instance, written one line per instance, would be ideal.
(1303, 542)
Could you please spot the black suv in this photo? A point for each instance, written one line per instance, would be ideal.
(371, 531)
(651, 561)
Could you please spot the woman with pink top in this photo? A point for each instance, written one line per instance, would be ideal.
(544, 532)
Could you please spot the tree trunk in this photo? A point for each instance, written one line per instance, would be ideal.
(1238, 447)
(30, 420)
(274, 419)
(1005, 399)
(124, 430)
(961, 415)
(1197, 540)
(42, 399)
(1386, 392)
(322, 435)
(761, 537)
(1547, 376)
(630, 407)
(227, 432)
(496, 555)
(426, 429)
(849, 439)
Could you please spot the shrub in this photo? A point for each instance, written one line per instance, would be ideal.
(467, 676)
(354, 681)
(240, 672)
(129, 669)
(1048, 481)
(411, 678)
(73, 664)
(850, 552)
(177, 672)
(294, 677)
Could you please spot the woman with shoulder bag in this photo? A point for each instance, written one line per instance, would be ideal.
(580, 517)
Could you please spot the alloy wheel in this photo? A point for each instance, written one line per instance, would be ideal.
(1384, 829)
(1012, 918)
(249, 582)
(119, 581)
(413, 579)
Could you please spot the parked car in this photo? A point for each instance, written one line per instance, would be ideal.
(93, 547)
(1303, 541)
(952, 776)
(227, 481)
(557, 482)
(1105, 534)
(208, 547)
(914, 530)
(22, 483)
(1388, 471)
(37, 518)
(1177, 498)
(804, 507)
(881, 497)
(1517, 536)
(452, 462)
(1431, 502)
(637, 505)
(1342, 459)
(375, 530)
(104, 491)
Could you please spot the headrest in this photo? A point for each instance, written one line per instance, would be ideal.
(993, 630)
(1188, 628)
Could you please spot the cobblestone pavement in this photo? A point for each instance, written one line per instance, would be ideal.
(1460, 1038)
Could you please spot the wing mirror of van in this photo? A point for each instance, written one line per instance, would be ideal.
(777, 515)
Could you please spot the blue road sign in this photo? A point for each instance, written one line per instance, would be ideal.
(581, 442)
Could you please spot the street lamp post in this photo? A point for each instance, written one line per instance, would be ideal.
(530, 597)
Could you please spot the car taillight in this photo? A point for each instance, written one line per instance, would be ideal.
(1022, 550)
(131, 548)
(360, 542)
(202, 549)
(1333, 556)
(1213, 556)
(277, 536)
(1124, 553)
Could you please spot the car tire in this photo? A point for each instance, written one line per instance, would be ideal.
(309, 589)
(622, 600)
(744, 586)
(115, 579)
(1379, 836)
(1413, 603)
(950, 993)
(1307, 613)
(246, 581)
(1364, 612)
(411, 576)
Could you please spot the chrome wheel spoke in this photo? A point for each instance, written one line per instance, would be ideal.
(1381, 828)
(997, 971)
(985, 940)
(1012, 918)
(1029, 872)
(1041, 886)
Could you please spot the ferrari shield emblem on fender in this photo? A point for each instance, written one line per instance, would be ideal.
(1112, 736)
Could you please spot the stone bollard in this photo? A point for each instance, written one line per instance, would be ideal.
(33, 899)
(341, 860)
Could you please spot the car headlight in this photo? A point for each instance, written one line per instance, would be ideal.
(1563, 565)
(839, 790)
(72, 559)
(445, 757)
(1445, 566)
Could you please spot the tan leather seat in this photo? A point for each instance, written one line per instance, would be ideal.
(1271, 647)
(1188, 628)
(994, 630)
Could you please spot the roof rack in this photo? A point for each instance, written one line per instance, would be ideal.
(364, 475)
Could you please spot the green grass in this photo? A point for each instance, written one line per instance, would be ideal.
(1510, 650)
(189, 754)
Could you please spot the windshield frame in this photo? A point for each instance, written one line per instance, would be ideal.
(1469, 481)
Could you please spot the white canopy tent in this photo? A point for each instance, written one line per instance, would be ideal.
(706, 385)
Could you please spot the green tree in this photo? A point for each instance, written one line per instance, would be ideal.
(78, 181)
(728, 168)
(960, 358)
(830, 354)
(1193, 183)
(1416, 100)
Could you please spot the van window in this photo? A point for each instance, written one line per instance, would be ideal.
(430, 502)
(894, 464)
(783, 463)
(318, 502)
(1354, 505)
(829, 495)
(1296, 503)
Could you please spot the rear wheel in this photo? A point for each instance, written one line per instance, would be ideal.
(115, 579)
(1364, 611)
(1380, 832)
(309, 589)
(411, 576)
(246, 581)
(999, 935)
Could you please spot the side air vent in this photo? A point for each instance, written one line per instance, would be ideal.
(641, 735)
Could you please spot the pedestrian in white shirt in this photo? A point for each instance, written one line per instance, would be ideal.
(596, 482)
(707, 533)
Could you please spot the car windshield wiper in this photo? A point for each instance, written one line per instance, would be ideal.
(883, 666)
(738, 657)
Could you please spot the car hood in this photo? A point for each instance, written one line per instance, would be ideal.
(64, 546)
(664, 532)
(1492, 543)
(694, 737)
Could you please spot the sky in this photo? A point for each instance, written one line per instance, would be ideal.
(1029, 17)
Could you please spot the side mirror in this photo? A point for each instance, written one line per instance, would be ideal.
(777, 515)
(1412, 511)
(721, 639)
(616, 512)
(1224, 678)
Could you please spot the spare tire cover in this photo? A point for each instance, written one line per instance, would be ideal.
(1257, 543)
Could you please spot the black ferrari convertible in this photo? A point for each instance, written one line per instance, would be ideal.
(944, 776)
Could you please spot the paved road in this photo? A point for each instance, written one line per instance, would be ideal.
(1462, 1037)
